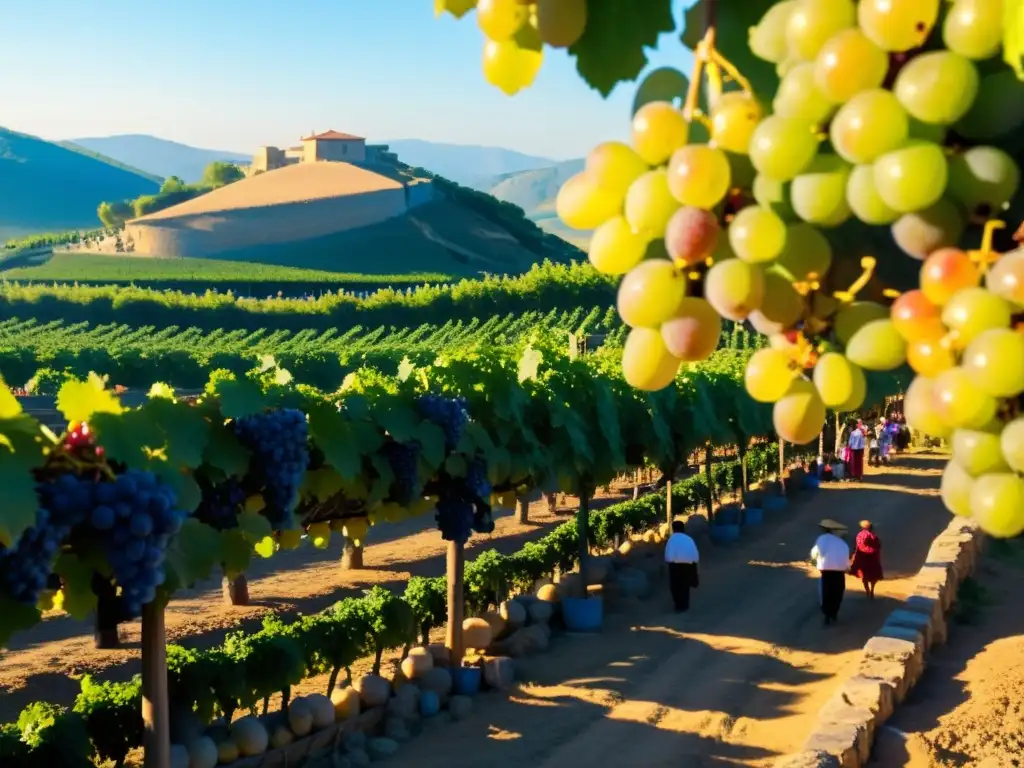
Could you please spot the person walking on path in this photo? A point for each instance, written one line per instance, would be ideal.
(831, 556)
(866, 563)
(682, 558)
(855, 443)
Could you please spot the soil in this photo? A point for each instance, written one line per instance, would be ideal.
(968, 708)
(736, 681)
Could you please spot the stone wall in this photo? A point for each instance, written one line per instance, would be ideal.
(894, 659)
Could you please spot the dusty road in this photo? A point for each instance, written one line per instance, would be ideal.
(738, 681)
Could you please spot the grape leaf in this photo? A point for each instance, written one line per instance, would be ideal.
(19, 456)
(236, 552)
(1013, 35)
(431, 440)
(457, 8)
(126, 436)
(239, 397)
(321, 484)
(266, 547)
(17, 617)
(342, 441)
(455, 465)
(224, 452)
(405, 368)
(185, 486)
(161, 390)
(9, 405)
(186, 430)
(255, 503)
(529, 363)
(78, 400)
(400, 421)
(662, 84)
(611, 48)
(381, 485)
(78, 599)
(194, 552)
(254, 526)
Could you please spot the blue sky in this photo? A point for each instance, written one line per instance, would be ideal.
(235, 74)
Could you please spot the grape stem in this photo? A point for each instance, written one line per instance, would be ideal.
(984, 256)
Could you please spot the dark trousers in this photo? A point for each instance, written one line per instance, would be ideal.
(832, 587)
(681, 577)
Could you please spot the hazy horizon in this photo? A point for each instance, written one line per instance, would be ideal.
(208, 75)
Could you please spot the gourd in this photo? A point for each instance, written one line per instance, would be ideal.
(179, 756)
(374, 690)
(417, 663)
(346, 703)
(282, 737)
(476, 633)
(227, 752)
(322, 709)
(300, 717)
(250, 736)
(202, 753)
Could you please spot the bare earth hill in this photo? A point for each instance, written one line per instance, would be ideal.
(46, 187)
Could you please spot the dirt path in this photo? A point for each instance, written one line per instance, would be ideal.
(737, 681)
(968, 708)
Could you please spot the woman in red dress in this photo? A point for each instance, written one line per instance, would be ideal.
(866, 563)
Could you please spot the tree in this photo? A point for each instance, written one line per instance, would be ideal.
(218, 174)
(114, 215)
(171, 185)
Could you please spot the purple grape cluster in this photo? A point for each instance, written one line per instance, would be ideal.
(25, 568)
(446, 412)
(476, 479)
(221, 504)
(404, 461)
(279, 442)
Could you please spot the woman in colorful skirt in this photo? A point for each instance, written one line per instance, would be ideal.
(856, 444)
(866, 563)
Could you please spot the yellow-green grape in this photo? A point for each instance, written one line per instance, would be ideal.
(500, 19)
(768, 39)
(650, 204)
(783, 147)
(959, 403)
(774, 195)
(799, 415)
(614, 166)
(937, 87)
(945, 273)
(615, 248)
(781, 308)
(757, 235)
(997, 504)
(650, 293)
(974, 28)
(857, 396)
(733, 120)
(978, 452)
(561, 22)
(922, 233)
(769, 375)
(1011, 442)
(582, 204)
(659, 129)
(806, 254)
(837, 379)
(877, 346)
(513, 64)
(897, 25)
(920, 411)
(818, 194)
(912, 177)
(798, 96)
(734, 288)
(974, 310)
(863, 198)
(929, 357)
(699, 175)
(996, 358)
(813, 22)
(289, 539)
(1006, 278)
(646, 362)
(955, 489)
(693, 334)
(847, 64)
(852, 317)
(916, 317)
(870, 124)
(984, 180)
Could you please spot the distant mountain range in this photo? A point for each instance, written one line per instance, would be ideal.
(159, 157)
(47, 187)
(471, 166)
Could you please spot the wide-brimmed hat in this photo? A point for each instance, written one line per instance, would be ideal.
(865, 524)
(831, 525)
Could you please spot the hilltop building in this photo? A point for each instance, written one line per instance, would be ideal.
(330, 146)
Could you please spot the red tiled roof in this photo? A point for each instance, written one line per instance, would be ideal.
(333, 136)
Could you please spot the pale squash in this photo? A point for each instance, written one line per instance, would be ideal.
(300, 717)
(250, 736)
(323, 710)
(202, 753)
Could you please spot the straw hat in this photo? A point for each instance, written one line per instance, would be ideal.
(865, 524)
(831, 525)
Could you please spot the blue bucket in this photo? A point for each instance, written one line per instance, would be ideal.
(466, 680)
(728, 515)
(724, 533)
(774, 503)
(753, 516)
(583, 614)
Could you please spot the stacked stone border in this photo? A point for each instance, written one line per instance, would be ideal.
(894, 659)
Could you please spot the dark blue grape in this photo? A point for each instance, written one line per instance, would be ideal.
(476, 479)
(279, 444)
(221, 504)
(102, 518)
(448, 413)
(454, 517)
(404, 461)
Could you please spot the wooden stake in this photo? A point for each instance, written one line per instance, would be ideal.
(456, 602)
(155, 706)
(236, 590)
(352, 556)
(743, 469)
(522, 510)
(668, 501)
(583, 537)
(782, 465)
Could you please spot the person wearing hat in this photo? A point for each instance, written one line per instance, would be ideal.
(831, 556)
(866, 564)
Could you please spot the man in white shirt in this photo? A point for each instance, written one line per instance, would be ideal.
(682, 557)
(831, 556)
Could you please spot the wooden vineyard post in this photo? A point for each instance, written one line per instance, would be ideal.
(552, 503)
(156, 718)
(583, 537)
(668, 501)
(352, 556)
(522, 510)
(456, 602)
(236, 590)
(782, 465)
(743, 467)
(108, 614)
(708, 480)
